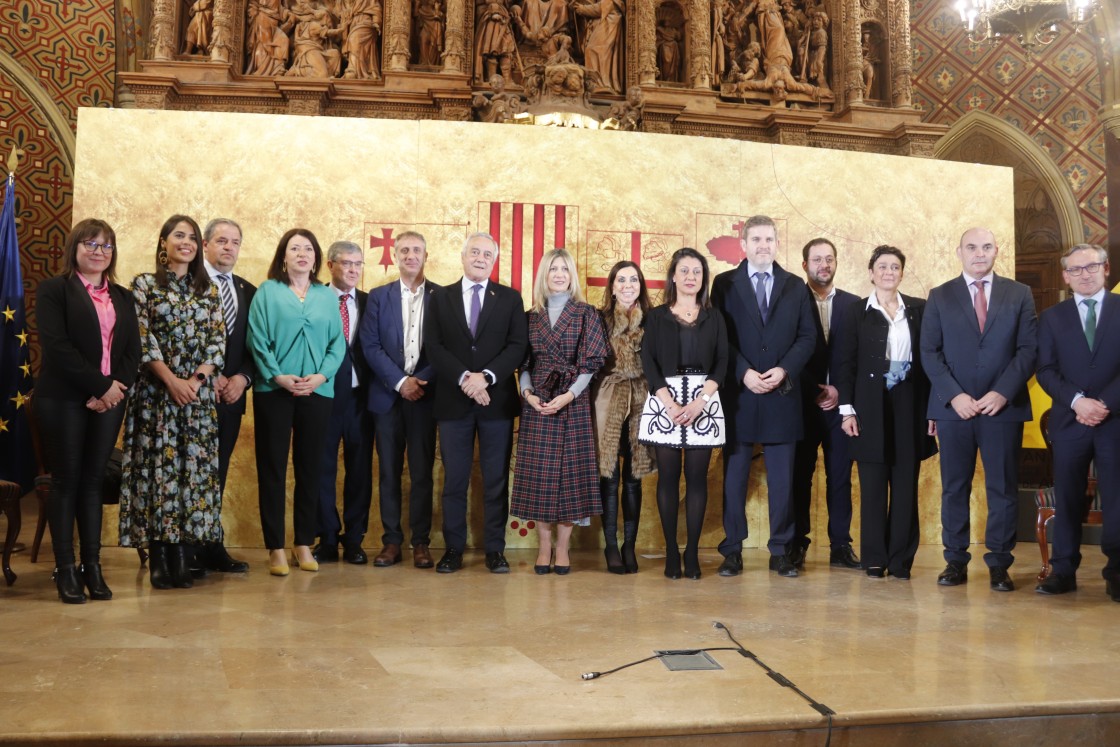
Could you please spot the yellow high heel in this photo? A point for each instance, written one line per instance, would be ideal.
(310, 565)
(278, 570)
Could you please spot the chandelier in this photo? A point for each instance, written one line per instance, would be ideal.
(1033, 23)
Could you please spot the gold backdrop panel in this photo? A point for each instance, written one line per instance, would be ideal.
(604, 195)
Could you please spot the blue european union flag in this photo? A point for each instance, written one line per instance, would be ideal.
(17, 458)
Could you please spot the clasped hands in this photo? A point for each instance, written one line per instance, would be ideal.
(1089, 411)
(967, 408)
(764, 383)
(300, 386)
(553, 406)
(474, 385)
(110, 399)
(678, 413)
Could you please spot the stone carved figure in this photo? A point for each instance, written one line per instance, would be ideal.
(563, 54)
(539, 21)
(777, 54)
(428, 16)
(748, 69)
(221, 45)
(720, 66)
(796, 24)
(361, 26)
(602, 48)
(312, 55)
(200, 28)
(870, 59)
(627, 115)
(267, 40)
(497, 106)
(818, 48)
(494, 46)
(670, 32)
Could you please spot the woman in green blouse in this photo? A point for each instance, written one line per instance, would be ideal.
(295, 334)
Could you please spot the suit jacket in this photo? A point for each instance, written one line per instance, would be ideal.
(959, 358)
(863, 365)
(824, 365)
(499, 346)
(238, 358)
(786, 340)
(352, 359)
(70, 341)
(382, 345)
(1066, 365)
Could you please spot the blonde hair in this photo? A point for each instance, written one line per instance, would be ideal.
(540, 283)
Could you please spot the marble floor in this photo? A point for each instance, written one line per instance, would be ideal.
(358, 655)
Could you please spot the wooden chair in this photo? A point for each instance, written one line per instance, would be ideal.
(1044, 501)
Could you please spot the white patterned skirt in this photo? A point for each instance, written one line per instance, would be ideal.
(706, 432)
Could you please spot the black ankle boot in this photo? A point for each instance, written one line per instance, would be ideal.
(69, 585)
(95, 582)
(692, 563)
(672, 563)
(157, 566)
(179, 566)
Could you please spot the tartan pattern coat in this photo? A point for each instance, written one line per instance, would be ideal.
(556, 474)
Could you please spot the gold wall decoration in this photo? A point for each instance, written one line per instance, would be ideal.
(605, 195)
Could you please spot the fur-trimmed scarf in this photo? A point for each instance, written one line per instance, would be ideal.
(621, 394)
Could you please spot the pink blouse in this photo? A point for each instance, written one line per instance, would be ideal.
(106, 318)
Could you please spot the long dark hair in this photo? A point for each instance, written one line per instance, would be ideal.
(277, 271)
(609, 301)
(200, 279)
(686, 252)
(87, 229)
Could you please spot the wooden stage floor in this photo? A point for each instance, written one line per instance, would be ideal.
(358, 655)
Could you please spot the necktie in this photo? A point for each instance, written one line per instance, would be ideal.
(476, 307)
(980, 303)
(760, 279)
(344, 309)
(1090, 320)
(229, 309)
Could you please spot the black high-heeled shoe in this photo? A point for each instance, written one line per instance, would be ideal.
(629, 557)
(95, 582)
(876, 571)
(158, 571)
(614, 560)
(673, 564)
(179, 566)
(692, 564)
(69, 585)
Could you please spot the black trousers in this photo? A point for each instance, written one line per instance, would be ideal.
(1101, 447)
(495, 442)
(282, 420)
(77, 443)
(409, 428)
(352, 425)
(229, 428)
(822, 429)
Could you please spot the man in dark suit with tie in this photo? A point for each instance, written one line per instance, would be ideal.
(476, 336)
(770, 335)
(1081, 372)
(221, 246)
(821, 413)
(979, 345)
(401, 399)
(350, 423)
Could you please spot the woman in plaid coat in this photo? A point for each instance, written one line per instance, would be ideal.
(556, 476)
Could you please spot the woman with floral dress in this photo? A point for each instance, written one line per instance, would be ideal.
(170, 479)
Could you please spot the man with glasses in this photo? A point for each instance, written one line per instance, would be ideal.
(351, 423)
(979, 345)
(1081, 372)
(221, 246)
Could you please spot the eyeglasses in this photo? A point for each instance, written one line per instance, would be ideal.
(94, 247)
(346, 265)
(1092, 269)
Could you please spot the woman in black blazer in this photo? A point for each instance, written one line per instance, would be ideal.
(883, 397)
(90, 345)
(684, 357)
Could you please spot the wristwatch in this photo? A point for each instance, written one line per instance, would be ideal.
(200, 377)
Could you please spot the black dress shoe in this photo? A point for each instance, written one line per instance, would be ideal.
(158, 571)
(95, 582)
(1000, 580)
(1112, 587)
(325, 553)
(732, 565)
(673, 564)
(1056, 583)
(497, 563)
(797, 554)
(561, 570)
(451, 561)
(783, 566)
(876, 571)
(954, 574)
(542, 570)
(217, 558)
(902, 574)
(69, 585)
(844, 557)
(355, 555)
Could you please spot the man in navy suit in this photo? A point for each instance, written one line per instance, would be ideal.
(1081, 372)
(770, 335)
(979, 345)
(221, 246)
(820, 409)
(351, 423)
(476, 335)
(400, 398)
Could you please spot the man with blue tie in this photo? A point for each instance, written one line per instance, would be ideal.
(770, 336)
(979, 346)
(400, 398)
(350, 423)
(1082, 375)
